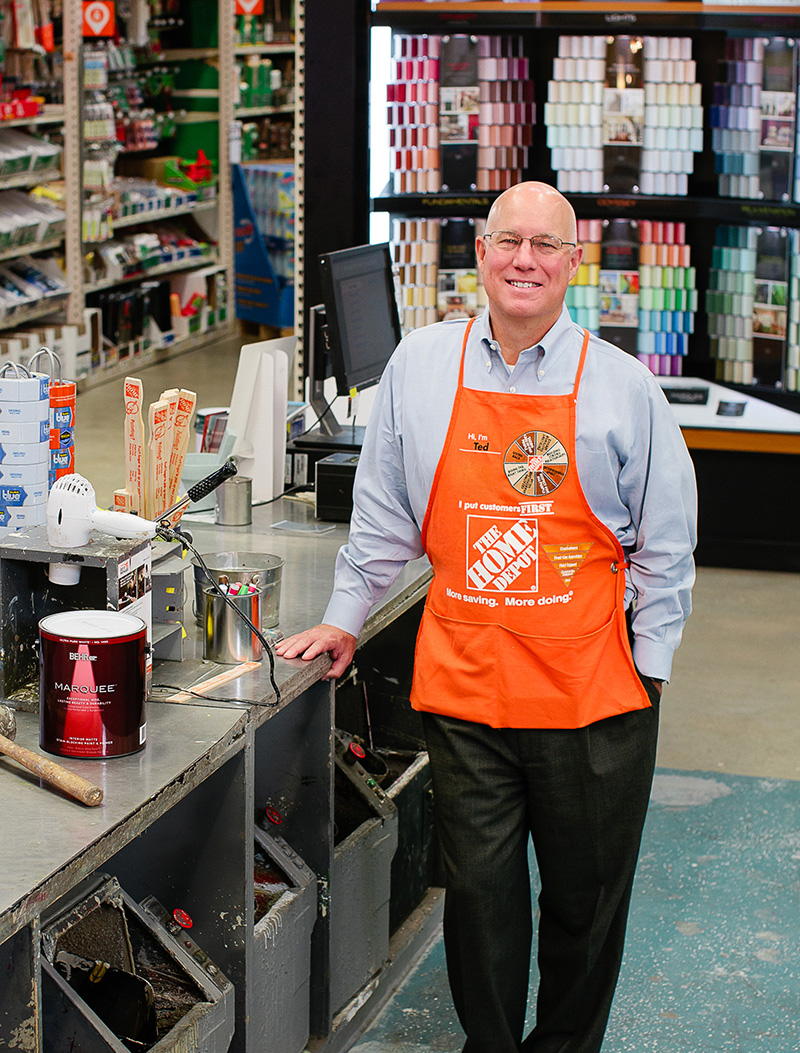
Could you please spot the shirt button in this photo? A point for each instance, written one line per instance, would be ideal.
(513, 390)
(541, 374)
(488, 366)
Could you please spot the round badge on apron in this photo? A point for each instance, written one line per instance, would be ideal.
(524, 624)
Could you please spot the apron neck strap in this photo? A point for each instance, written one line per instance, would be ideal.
(581, 363)
(464, 351)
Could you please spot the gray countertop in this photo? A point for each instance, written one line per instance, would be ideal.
(48, 841)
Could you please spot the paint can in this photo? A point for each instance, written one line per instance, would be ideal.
(227, 638)
(92, 684)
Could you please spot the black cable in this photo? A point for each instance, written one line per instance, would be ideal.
(318, 420)
(174, 534)
(214, 698)
(272, 500)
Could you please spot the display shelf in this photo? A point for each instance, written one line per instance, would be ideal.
(599, 206)
(29, 178)
(32, 247)
(38, 309)
(242, 50)
(155, 215)
(673, 15)
(263, 111)
(152, 355)
(50, 115)
(156, 271)
(186, 54)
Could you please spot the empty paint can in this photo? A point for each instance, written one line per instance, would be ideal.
(227, 638)
(235, 502)
(92, 684)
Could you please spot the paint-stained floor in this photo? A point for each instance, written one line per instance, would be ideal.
(712, 962)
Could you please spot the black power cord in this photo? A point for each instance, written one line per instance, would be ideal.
(174, 534)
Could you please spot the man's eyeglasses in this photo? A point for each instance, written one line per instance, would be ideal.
(542, 244)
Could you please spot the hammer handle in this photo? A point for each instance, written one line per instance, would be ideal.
(53, 773)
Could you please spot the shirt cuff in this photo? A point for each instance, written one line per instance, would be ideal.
(346, 612)
(651, 658)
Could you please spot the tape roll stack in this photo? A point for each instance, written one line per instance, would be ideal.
(62, 428)
(24, 447)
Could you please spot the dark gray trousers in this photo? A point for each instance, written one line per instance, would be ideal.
(582, 796)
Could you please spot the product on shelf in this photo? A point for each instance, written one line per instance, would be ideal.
(25, 219)
(271, 188)
(29, 281)
(21, 152)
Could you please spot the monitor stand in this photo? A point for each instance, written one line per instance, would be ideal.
(349, 440)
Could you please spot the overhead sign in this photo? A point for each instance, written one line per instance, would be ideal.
(249, 7)
(99, 18)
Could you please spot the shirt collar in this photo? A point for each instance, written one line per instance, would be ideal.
(553, 344)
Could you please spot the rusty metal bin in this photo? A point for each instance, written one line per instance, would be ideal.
(115, 978)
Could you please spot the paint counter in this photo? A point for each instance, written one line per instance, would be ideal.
(179, 820)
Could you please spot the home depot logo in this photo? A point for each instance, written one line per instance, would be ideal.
(502, 554)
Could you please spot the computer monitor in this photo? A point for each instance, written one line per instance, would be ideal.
(352, 335)
(361, 316)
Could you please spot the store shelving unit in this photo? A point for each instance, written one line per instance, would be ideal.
(215, 215)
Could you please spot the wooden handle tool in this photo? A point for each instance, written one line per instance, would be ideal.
(53, 773)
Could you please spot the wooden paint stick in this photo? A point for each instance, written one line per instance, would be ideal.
(134, 443)
(157, 460)
(180, 441)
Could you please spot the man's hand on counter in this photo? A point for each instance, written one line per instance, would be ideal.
(313, 642)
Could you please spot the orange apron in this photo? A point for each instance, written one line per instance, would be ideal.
(524, 625)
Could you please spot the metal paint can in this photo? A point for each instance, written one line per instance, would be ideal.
(235, 502)
(227, 638)
(92, 684)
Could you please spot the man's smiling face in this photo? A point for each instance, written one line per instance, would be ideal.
(523, 284)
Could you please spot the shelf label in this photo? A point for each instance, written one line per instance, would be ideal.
(99, 18)
(249, 7)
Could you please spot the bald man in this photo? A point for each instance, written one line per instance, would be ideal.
(541, 471)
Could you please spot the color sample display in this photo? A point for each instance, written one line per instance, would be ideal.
(753, 119)
(460, 111)
(624, 114)
(753, 305)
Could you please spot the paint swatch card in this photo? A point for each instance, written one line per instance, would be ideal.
(619, 283)
(623, 114)
(770, 306)
(457, 295)
(459, 108)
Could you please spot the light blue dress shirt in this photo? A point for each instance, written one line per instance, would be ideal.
(632, 462)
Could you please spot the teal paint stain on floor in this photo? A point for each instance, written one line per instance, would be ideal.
(712, 960)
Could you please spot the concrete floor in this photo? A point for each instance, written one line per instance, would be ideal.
(732, 705)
